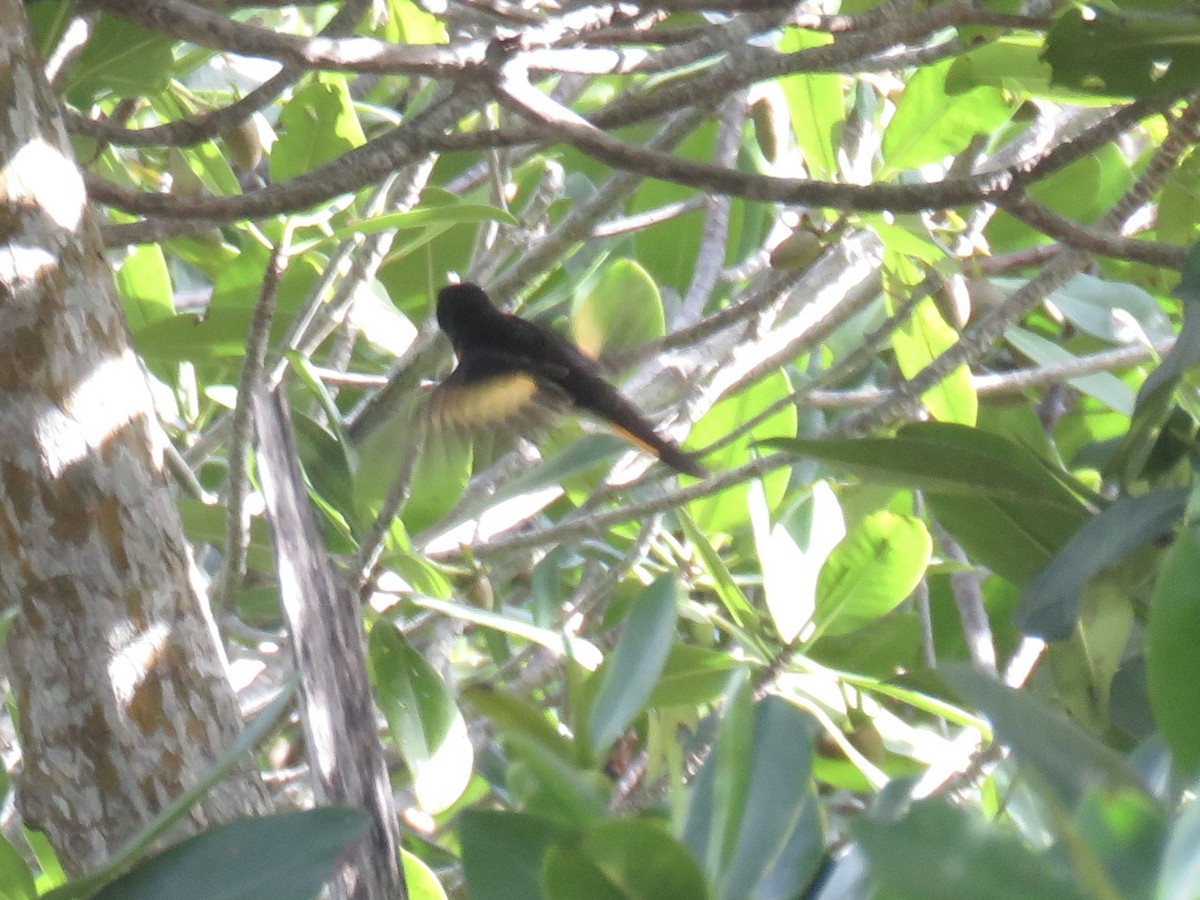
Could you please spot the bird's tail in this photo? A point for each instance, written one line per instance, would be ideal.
(630, 424)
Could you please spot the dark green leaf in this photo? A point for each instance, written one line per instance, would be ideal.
(941, 851)
(1050, 602)
(633, 668)
(288, 856)
(1173, 649)
(503, 851)
(1124, 53)
(1069, 761)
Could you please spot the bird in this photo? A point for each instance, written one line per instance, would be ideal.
(515, 374)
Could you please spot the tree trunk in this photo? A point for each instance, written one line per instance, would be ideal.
(118, 674)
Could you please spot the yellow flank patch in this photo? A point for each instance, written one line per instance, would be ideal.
(490, 402)
(634, 439)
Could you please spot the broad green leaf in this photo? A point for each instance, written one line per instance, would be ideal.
(815, 105)
(762, 762)
(731, 595)
(633, 668)
(1114, 311)
(790, 571)
(217, 335)
(718, 803)
(692, 676)
(16, 881)
(543, 782)
(145, 286)
(413, 24)
(419, 880)
(1178, 212)
(568, 874)
(871, 572)
(422, 717)
(560, 643)
(1050, 602)
(1007, 507)
(512, 713)
(319, 125)
(122, 59)
(922, 338)
(1126, 831)
(426, 217)
(929, 124)
(726, 511)
(941, 849)
(1104, 386)
(288, 856)
(1172, 639)
(502, 852)
(437, 479)
(1154, 399)
(643, 859)
(1012, 63)
(945, 458)
(1068, 760)
(1082, 191)
(1130, 53)
(621, 310)
(780, 791)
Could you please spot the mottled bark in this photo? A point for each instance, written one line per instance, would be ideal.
(117, 671)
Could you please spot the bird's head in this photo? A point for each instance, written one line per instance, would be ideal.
(464, 309)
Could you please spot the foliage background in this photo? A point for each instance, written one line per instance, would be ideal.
(908, 275)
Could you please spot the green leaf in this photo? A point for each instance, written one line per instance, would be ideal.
(419, 880)
(422, 717)
(319, 125)
(790, 571)
(1008, 508)
(145, 286)
(220, 334)
(767, 772)
(945, 458)
(1130, 53)
(1050, 602)
(561, 643)
(568, 874)
(621, 310)
(1068, 760)
(938, 849)
(503, 851)
(632, 670)
(550, 785)
(644, 859)
(929, 124)
(815, 105)
(1012, 63)
(871, 572)
(1172, 639)
(692, 676)
(1154, 399)
(511, 713)
(921, 339)
(16, 881)
(1104, 386)
(120, 58)
(739, 607)
(285, 856)
(426, 217)
(727, 510)
(1114, 311)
